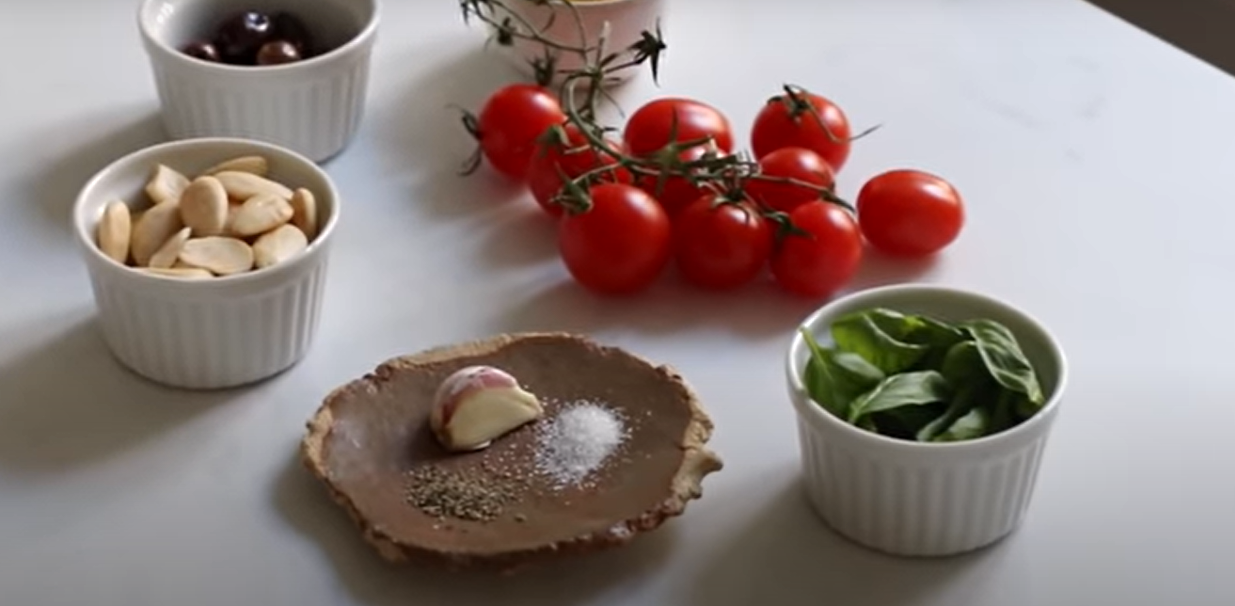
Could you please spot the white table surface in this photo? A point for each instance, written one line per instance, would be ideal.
(1095, 161)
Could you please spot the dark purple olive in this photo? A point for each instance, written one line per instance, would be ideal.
(289, 27)
(201, 50)
(277, 53)
(239, 37)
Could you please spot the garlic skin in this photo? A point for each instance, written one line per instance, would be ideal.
(478, 404)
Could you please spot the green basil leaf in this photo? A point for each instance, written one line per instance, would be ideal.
(867, 334)
(834, 379)
(1005, 360)
(973, 425)
(898, 391)
(963, 364)
(907, 421)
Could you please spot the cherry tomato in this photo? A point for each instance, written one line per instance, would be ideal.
(676, 192)
(809, 121)
(822, 259)
(910, 213)
(573, 157)
(512, 121)
(620, 245)
(720, 245)
(795, 163)
(648, 129)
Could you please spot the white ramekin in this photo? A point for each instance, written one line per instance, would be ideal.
(914, 499)
(626, 19)
(312, 107)
(206, 334)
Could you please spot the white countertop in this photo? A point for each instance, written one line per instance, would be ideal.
(1095, 161)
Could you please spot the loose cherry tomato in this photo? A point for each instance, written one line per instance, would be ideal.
(572, 157)
(802, 120)
(676, 192)
(620, 245)
(512, 121)
(649, 128)
(721, 244)
(910, 213)
(795, 163)
(824, 257)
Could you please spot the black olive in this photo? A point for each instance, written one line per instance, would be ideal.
(239, 37)
(289, 27)
(278, 52)
(201, 50)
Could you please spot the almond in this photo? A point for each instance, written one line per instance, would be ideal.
(190, 273)
(304, 212)
(155, 227)
(260, 214)
(203, 206)
(166, 256)
(256, 165)
(220, 255)
(242, 185)
(279, 245)
(116, 231)
(165, 185)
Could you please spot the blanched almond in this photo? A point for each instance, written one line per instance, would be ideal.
(256, 165)
(242, 186)
(165, 185)
(116, 231)
(232, 211)
(203, 206)
(153, 230)
(166, 256)
(304, 212)
(281, 244)
(220, 255)
(260, 214)
(190, 273)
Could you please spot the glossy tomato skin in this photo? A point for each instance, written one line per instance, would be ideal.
(676, 193)
(512, 121)
(821, 261)
(778, 125)
(621, 245)
(574, 159)
(721, 245)
(796, 163)
(910, 213)
(648, 129)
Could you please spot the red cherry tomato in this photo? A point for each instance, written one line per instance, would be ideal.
(620, 245)
(512, 121)
(822, 259)
(649, 128)
(574, 157)
(720, 245)
(786, 122)
(795, 163)
(676, 192)
(910, 213)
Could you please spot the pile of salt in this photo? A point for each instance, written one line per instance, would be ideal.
(577, 441)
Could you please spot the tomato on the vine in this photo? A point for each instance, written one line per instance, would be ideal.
(572, 157)
(910, 213)
(822, 254)
(675, 193)
(512, 121)
(674, 119)
(795, 163)
(619, 245)
(721, 244)
(802, 119)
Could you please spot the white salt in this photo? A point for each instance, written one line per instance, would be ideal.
(577, 441)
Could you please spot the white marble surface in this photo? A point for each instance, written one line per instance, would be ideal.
(1095, 161)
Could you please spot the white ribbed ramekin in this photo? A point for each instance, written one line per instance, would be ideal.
(312, 107)
(206, 334)
(915, 499)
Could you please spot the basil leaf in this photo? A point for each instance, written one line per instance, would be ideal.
(906, 422)
(898, 391)
(963, 363)
(975, 424)
(862, 334)
(835, 378)
(1005, 360)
